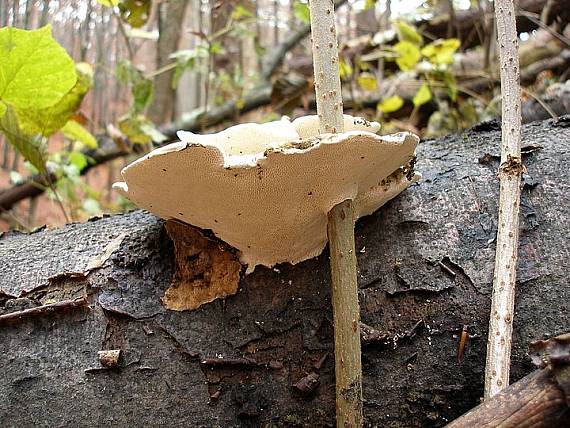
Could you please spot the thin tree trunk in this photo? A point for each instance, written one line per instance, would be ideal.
(503, 301)
(170, 19)
(45, 13)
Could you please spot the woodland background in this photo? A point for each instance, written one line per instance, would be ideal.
(201, 65)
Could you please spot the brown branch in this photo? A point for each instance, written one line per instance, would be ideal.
(43, 310)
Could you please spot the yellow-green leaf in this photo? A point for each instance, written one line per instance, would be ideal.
(49, 120)
(35, 71)
(407, 33)
(140, 130)
(108, 3)
(409, 55)
(75, 132)
(302, 12)
(422, 96)
(345, 69)
(441, 51)
(391, 104)
(367, 81)
(3, 108)
(135, 12)
(33, 149)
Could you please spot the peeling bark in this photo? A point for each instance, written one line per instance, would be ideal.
(204, 270)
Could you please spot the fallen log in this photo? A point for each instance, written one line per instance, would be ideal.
(540, 399)
(264, 356)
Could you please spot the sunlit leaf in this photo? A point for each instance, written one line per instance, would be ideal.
(367, 81)
(108, 3)
(407, 33)
(35, 71)
(78, 160)
(140, 130)
(241, 12)
(369, 4)
(33, 149)
(3, 108)
(345, 69)
(422, 96)
(302, 12)
(409, 55)
(135, 12)
(75, 132)
(49, 120)
(390, 104)
(441, 51)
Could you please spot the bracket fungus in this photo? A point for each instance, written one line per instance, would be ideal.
(266, 189)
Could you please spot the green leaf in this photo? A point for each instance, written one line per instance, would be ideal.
(302, 12)
(409, 55)
(3, 108)
(369, 4)
(49, 120)
(241, 12)
(141, 87)
(422, 96)
(35, 71)
(75, 132)
(391, 104)
(407, 33)
(367, 81)
(140, 130)
(108, 3)
(345, 69)
(78, 160)
(451, 83)
(135, 12)
(216, 48)
(441, 51)
(33, 149)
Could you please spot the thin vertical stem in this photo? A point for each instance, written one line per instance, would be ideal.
(346, 311)
(510, 171)
(325, 61)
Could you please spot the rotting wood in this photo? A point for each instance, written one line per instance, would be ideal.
(346, 309)
(204, 270)
(510, 171)
(541, 399)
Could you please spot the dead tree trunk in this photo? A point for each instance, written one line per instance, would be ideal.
(264, 356)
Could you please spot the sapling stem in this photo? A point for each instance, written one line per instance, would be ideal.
(503, 300)
(346, 310)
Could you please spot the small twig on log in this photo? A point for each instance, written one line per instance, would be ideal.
(226, 362)
(43, 310)
(503, 301)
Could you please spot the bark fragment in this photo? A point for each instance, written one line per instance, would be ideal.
(204, 270)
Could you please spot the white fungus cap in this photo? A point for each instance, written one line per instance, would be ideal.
(266, 189)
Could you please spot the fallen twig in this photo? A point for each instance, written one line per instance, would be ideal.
(43, 310)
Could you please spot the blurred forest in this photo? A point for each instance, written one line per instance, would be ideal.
(147, 68)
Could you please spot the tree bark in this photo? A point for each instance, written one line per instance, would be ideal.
(170, 25)
(425, 270)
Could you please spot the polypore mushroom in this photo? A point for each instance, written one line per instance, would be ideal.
(265, 190)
